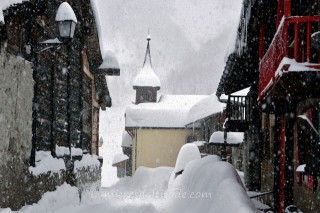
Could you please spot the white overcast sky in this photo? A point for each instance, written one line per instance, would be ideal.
(190, 40)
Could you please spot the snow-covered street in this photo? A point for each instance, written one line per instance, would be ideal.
(206, 185)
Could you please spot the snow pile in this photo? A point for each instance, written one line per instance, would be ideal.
(207, 185)
(146, 78)
(126, 139)
(187, 153)
(56, 201)
(233, 138)
(46, 163)
(204, 108)
(65, 12)
(145, 179)
(87, 161)
(119, 158)
(170, 111)
(4, 4)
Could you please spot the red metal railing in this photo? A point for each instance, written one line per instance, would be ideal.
(292, 40)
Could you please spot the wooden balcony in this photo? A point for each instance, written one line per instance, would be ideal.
(291, 65)
(238, 113)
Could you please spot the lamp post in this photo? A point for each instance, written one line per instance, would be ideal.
(66, 20)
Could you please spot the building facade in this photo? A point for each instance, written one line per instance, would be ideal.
(63, 92)
(276, 54)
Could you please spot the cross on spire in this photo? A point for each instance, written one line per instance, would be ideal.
(147, 57)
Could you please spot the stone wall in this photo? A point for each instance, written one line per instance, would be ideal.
(16, 94)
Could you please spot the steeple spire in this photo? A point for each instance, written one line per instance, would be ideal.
(147, 57)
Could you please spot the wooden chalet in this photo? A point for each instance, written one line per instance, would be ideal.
(69, 89)
(277, 54)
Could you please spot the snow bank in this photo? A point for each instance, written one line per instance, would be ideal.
(187, 153)
(170, 111)
(46, 163)
(119, 158)
(208, 185)
(87, 161)
(146, 180)
(55, 201)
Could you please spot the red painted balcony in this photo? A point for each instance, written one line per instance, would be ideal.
(291, 41)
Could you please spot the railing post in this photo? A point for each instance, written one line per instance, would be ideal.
(287, 8)
(308, 41)
(279, 12)
(285, 41)
(296, 41)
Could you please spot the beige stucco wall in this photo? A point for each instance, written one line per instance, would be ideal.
(157, 147)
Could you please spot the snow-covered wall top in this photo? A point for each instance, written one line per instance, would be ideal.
(232, 137)
(147, 78)
(4, 4)
(170, 112)
(204, 108)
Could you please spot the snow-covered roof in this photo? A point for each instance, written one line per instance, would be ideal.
(146, 78)
(126, 139)
(170, 112)
(110, 61)
(119, 158)
(187, 153)
(204, 108)
(65, 12)
(233, 138)
(243, 92)
(4, 4)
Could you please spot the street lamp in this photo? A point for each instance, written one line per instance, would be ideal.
(67, 20)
